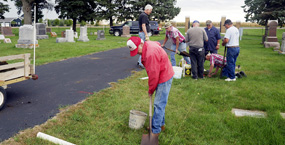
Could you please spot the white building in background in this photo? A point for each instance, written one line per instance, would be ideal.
(7, 22)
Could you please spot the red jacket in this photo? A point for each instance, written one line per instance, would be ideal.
(157, 64)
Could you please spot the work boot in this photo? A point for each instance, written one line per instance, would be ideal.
(238, 75)
(242, 73)
(162, 128)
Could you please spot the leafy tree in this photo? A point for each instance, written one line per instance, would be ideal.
(163, 10)
(61, 22)
(49, 22)
(66, 22)
(70, 22)
(40, 20)
(23, 20)
(3, 8)
(82, 23)
(13, 23)
(56, 22)
(113, 9)
(27, 7)
(92, 23)
(82, 10)
(260, 11)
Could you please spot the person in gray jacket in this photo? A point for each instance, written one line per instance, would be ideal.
(196, 37)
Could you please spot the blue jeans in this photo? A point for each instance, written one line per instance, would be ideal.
(142, 36)
(160, 101)
(229, 70)
(181, 47)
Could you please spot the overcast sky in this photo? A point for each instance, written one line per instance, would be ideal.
(200, 10)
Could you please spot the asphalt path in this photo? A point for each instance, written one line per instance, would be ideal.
(62, 83)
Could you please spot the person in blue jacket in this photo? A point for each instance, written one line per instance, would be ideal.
(213, 43)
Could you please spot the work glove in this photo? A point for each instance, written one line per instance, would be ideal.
(146, 38)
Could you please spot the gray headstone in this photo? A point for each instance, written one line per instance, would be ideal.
(26, 35)
(100, 35)
(83, 34)
(41, 31)
(69, 35)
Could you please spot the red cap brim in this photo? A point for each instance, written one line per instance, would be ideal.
(134, 52)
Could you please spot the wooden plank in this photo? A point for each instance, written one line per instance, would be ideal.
(27, 65)
(32, 71)
(16, 80)
(9, 66)
(13, 57)
(2, 83)
(12, 74)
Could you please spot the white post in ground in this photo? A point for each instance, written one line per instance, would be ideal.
(35, 17)
(53, 139)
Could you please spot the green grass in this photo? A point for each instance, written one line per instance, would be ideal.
(198, 112)
(50, 51)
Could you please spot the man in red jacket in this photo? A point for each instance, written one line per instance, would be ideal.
(160, 73)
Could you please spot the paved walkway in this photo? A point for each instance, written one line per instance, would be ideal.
(61, 83)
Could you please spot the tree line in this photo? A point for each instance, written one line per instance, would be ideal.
(91, 10)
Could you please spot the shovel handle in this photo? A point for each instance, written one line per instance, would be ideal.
(150, 105)
(150, 114)
(221, 74)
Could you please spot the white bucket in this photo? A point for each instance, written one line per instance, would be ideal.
(177, 72)
(137, 119)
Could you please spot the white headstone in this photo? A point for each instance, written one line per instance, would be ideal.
(282, 51)
(83, 34)
(75, 35)
(69, 35)
(60, 40)
(250, 113)
(26, 35)
(2, 37)
(7, 40)
(240, 33)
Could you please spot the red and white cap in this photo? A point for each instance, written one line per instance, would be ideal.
(133, 43)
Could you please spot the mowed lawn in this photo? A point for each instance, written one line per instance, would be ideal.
(50, 51)
(198, 112)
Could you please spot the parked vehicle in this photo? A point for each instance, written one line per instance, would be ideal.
(134, 28)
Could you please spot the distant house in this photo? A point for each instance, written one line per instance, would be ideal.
(11, 22)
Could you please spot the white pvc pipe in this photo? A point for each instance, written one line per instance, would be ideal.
(35, 18)
(53, 139)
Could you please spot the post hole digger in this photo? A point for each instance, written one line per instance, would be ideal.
(183, 53)
(149, 139)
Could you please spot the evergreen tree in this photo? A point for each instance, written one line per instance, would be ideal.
(112, 9)
(163, 10)
(260, 11)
